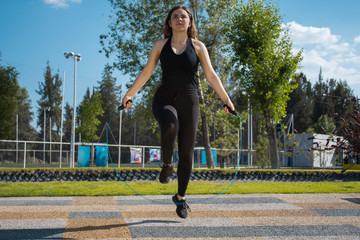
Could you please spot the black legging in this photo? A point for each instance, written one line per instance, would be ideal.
(177, 114)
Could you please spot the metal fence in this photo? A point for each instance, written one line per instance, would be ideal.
(37, 154)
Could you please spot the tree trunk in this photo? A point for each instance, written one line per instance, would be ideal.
(92, 155)
(205, 126)
(205, 132)
(270, 128)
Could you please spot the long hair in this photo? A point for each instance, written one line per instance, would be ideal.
(191, 32)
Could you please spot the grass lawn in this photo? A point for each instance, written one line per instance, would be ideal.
(117, 188)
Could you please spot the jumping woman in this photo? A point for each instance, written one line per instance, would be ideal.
(176, 101)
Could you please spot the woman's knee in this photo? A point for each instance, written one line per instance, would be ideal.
(170, 129)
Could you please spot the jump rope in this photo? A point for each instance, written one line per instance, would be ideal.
(233, 113)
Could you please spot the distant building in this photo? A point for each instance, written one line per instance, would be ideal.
(312, 151)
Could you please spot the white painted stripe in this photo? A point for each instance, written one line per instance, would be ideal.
(255, 206)
(17, 224)
(177, 222)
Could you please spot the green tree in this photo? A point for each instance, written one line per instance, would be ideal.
(226, 136)
(14, 100)
(89, 116)
(263, 53)
(324, 125)
(321, 105)
(262, 151)
(137, 25)
(109, 93)
(8, 93)
(301, 104)
(330, 97)
(80, 109)
(23, 109)
(339, 93)
(211, 20)
(68, 113)
(50, 98)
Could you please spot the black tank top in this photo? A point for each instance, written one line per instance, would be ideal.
(179, 72)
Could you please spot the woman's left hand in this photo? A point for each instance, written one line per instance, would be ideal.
(126, 102)
(230, 105)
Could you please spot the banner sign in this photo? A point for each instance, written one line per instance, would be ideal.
(155, 155)
(135, 155)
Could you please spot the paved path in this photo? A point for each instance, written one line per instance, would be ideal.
(253, 216)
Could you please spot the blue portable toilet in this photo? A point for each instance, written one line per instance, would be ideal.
(203, 157)
(101, 156)
(84, 156)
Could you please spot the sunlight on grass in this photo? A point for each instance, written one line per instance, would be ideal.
(113, 188)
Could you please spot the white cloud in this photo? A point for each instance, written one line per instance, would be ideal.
(60, 3)
(338, 59)
(357, 40)
(312, 35)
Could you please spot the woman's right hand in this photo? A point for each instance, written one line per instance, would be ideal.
(126, 102)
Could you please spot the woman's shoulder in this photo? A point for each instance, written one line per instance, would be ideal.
(160, 43)
(198, 45)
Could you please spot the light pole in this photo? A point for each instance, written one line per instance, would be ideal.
(45, 109)
(62, 119)
(76, 58)
(50, 138)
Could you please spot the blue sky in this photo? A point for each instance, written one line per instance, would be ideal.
(36, 31)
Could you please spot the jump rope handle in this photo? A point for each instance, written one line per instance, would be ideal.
(230, 111)
(122, 106)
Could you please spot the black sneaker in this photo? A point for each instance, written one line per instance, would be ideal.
(165, 173)
(181, 207)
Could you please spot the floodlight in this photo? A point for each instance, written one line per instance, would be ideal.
(76, 58)
(68, 54)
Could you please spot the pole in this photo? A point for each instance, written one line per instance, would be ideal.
(44, 134)
(120, 124)
(214, 129)
(17, 138)
(62, 119)
(279, 145)
(73, 160)
(249, 133)
(24, 154)
(72, 142)
(251, 137)
(72, 151)
(50, 137)
(135, 133)
(79, 133)
(143, 157)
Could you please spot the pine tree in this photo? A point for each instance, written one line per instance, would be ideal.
(68, 113)
(109, 93)
(23, 109)
(300, 104)
(50, 98)
(14, 100)
(8, 92)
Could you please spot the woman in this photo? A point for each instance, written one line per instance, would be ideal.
(176, 102)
